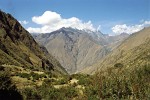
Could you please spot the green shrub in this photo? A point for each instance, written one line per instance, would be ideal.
(8, 91)
(92, 92)
(83, 79)
(49, 81)
(61, 81)
(37, 76)
(70, 92)
(24, 75)
(30, 94)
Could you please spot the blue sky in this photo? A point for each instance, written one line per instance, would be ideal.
(106, 13)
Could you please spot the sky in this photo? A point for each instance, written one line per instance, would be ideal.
(108, 16)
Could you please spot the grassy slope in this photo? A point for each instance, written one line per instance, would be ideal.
(134, 51)
(21, 49)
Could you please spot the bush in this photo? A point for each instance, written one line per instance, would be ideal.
(118, 65)
(92, 92)
(61, 81)
(49, 81)
(8, 90)
(31, 94)
(37, 76)
(70, 92)
(83, 79)
(24, 75)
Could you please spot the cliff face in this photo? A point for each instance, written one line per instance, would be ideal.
(76, 49)
(17, 47)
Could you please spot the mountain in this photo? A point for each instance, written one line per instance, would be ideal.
(17, 47)
(77, 49)
(29, 72)
(132, 52)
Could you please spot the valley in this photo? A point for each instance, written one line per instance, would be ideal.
(72, 63)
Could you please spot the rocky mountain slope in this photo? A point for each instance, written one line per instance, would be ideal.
(133, 52)
(17, 47)
(77, 49)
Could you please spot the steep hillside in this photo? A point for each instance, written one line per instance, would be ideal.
(133, 52)
(76, 49)
(17, 47)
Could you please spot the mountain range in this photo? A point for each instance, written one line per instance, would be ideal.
(77, 49)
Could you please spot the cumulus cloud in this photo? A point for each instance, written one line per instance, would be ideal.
(47, 18)
(51, 21)
(118, 29)
(23, 22)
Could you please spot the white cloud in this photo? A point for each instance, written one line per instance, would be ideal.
(23, 22)
(47, 18)
(51, 21)
(118, 29)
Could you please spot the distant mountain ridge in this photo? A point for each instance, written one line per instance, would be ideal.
(18, 47)
(132, 52)
(77, 49)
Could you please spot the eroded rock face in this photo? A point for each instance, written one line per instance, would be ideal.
(76, 49)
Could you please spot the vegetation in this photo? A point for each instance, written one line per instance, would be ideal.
(115, 83)
(8, 90)
(124, 84)
(26, 72)
(51, 93)
(31, 75)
